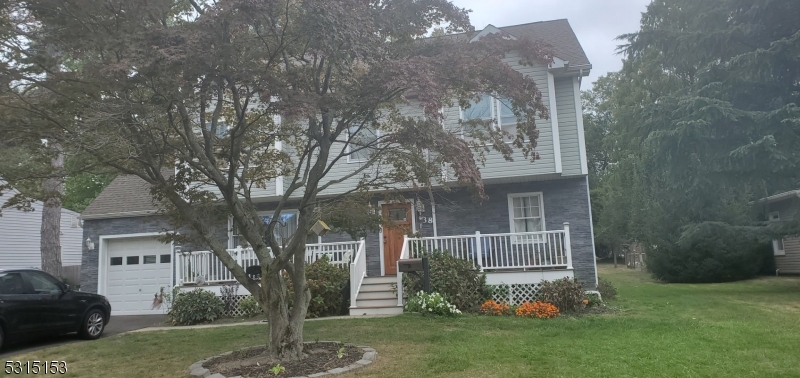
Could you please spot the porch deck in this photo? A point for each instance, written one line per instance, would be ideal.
(518, 261)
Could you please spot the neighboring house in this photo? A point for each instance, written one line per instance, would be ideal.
(785, 207)
(20, 238)
(535, 225)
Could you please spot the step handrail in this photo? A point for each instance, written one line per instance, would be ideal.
(358, 270)
(403, 256)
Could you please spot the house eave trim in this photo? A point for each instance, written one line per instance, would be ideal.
(125, 214)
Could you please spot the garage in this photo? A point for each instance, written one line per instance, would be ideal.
(137, 268)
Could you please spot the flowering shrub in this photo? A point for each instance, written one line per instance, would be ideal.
(492, 307)
(538, 309)
(433, 303)
(455, 278)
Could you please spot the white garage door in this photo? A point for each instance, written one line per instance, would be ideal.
(137, 269)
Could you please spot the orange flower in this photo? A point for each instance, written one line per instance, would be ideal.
(585, 302)
(538, 309)
(492, 307)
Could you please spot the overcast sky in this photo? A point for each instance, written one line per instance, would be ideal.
(596, 23)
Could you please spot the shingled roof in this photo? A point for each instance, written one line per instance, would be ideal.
(125, 196)
(557, 33)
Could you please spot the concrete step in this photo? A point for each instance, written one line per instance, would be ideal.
(382, 280)
(388, 302)
(376, 310)
(365, 295)
(365, 287)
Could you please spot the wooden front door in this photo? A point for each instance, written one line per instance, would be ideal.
(396, 224)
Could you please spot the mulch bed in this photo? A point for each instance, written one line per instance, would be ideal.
(252, 362)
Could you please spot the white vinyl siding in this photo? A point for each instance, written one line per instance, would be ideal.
(789, 260)
(778, 248)
(496, 168)
(20, 237)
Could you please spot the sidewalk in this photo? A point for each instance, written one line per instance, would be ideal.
(201, 326)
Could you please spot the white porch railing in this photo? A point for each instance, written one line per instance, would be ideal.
(403, 256)
(205, 267)
(340, 253)
(358, 270)
(521, 250)
(496, 252)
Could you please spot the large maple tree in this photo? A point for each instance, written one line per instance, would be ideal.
(235, 93)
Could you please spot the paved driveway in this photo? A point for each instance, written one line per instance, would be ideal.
(117, 325)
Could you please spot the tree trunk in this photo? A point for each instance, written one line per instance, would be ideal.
(614, 252)
(51, 217)
(285, 332)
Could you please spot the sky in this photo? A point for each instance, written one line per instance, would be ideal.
(596, 23)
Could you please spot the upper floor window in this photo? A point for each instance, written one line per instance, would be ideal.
(361, 144)
(497, 110)
(284, 230)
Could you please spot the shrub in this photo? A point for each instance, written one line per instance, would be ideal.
(249, 307)
(492, 307)
(459, 280)
(433, 304)
(326, 282)
(709, 252)
(565, 293)
(592, 300)
(538, 309)
(606, 289)
(196, 306)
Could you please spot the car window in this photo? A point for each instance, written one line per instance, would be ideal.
(11, 283)
(43, 284)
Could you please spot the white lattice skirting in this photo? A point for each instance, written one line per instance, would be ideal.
(233, 308)
(516, 294)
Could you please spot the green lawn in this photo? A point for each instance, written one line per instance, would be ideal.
(743, 329)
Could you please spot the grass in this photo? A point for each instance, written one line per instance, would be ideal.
(741, 329)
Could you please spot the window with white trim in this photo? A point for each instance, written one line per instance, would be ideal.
(356, 150)
(491, 109)
(777, 244)
(526, 212)
(284, 230)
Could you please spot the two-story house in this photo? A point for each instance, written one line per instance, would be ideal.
(535, 225)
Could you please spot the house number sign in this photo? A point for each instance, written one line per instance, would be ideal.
(423, 219)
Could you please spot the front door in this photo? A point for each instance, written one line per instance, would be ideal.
(396, 224)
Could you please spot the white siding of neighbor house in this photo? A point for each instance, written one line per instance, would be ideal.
(790, 262)
(20, 237)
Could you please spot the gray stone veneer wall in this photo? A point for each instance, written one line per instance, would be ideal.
(564, 200)
(93, 229)
(457, 213)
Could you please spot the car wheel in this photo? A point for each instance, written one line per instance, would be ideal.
(93, 325)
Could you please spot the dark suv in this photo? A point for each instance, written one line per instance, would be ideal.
(34, 303)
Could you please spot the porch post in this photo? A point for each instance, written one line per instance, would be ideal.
(567, 245)
(238, 252)
(478, 250)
